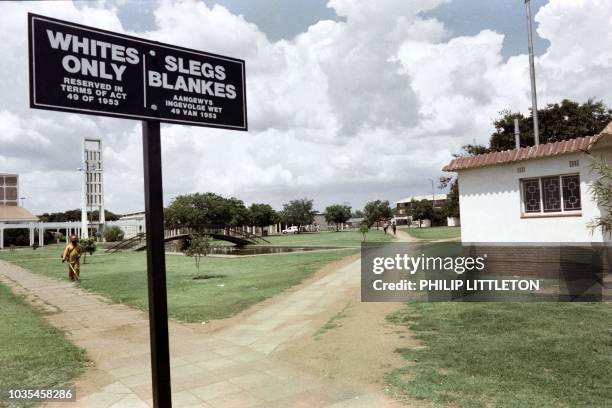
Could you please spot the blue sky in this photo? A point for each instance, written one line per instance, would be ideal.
(285, 19)
(468, 17)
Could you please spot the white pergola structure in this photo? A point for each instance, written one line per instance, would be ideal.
(13, 217)
(67, 228)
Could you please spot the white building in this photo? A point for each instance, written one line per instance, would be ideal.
(532, 194)
(132, 223)
(404, 206)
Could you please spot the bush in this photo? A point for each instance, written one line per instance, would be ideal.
(113, 234)
(438, 218)
(198, 247)
(88, 245)
(364, 228)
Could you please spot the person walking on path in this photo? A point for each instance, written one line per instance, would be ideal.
(394, 228)
(72, 254)
(385, 227)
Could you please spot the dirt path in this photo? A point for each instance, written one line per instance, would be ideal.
(228, 366)
(403, 236)
(353, 344)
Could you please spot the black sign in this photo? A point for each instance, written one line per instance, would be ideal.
(74, 68)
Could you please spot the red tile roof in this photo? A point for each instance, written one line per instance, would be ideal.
(524, 153)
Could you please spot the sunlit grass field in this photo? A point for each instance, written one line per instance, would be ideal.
(508, 354)
(238, 283)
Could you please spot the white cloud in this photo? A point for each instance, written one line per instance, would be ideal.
(352, 110)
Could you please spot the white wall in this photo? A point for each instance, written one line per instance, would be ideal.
(490, 203)
(453, 221)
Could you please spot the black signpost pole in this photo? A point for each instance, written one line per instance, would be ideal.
(156, 264)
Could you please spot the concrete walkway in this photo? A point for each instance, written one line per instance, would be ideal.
(229, 368)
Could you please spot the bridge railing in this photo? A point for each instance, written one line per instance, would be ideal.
(140, 239)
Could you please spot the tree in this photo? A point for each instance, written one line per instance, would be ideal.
(208, 210)
(88, 245)
(263, 215)
(198, 247)
(601, 190)
(421, 210)
(337, 214)
(472, 150)
(298, 213)
(75, 215)
(559, 121)
(358, 214)
(376, 211)
(451, 205)
(198, 209)
(239, 214)
(113, 234)
(364, 228)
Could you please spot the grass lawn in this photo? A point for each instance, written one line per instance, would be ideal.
(329, 238)
(434, 232)
(508, 354)
(32, 353)
(244, 282)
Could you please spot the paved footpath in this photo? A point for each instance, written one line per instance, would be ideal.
(229, 368)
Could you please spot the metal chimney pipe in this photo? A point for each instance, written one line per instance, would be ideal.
(534, 97)
(517, 134)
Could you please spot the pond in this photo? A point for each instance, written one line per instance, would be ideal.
(259, 250)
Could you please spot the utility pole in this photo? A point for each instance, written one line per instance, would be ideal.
(534, 97)
(517, 134)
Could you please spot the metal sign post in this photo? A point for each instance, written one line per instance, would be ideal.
(156, 264)
(80, 69)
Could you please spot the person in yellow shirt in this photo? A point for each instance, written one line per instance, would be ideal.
(72, 254)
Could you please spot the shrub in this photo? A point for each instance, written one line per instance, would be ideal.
(113, 234)
(198, 247)
(88, 245)
(364, 228)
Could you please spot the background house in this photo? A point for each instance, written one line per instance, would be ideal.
(13, 216)
(532, 194)
(404, 206)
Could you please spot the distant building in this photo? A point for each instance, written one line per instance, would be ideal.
(354, 222)
(134, 215)
(404, 206)
(9, 190)
(132, 223)
(12, 216)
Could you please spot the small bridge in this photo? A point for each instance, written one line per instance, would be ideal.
(233, 235)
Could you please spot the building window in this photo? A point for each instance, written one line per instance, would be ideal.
(549, 195)
(531, 195)
(571, 192)
(552, 198)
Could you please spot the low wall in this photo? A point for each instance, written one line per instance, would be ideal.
(546, 261)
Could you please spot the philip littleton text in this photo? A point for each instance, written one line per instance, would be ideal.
(405, 264)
